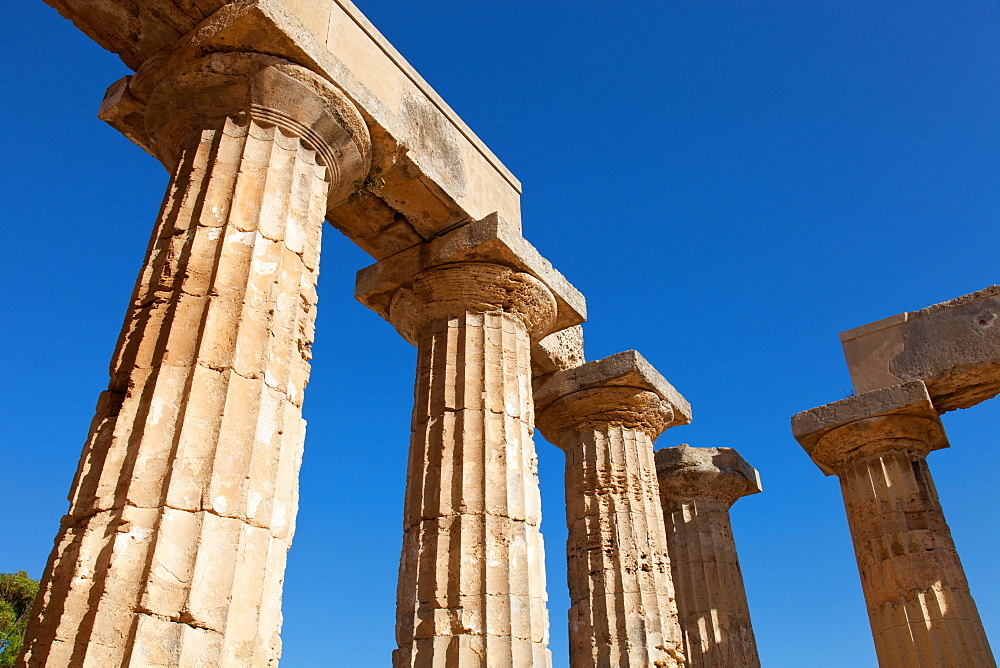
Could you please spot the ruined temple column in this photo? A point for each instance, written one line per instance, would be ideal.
(183, 506)
(605, 415)
(919, 604)
(472, 574)
(697, 488)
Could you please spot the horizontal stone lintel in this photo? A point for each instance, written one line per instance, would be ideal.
(954, 347)
(625, 369)
(491, 240)
(912, 398)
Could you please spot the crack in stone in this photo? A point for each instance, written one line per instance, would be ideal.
(184, 618)
(80, 521)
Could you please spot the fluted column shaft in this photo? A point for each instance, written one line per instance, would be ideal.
(622, 610)
(472, 577)
(697, 494)
(710, 595)
(919, 605)
(183, 506)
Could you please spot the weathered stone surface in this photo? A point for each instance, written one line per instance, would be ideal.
(491, 241)
(558, 351)
(697, 488)
(809, 427)
(427, 154)
(135, 29)
(604, 415)
(183, 507)
(472, 577)
(953, 347)
(701, 465)
(625, 369)
(918, 599)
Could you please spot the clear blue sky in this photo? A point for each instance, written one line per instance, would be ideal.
(730, 184)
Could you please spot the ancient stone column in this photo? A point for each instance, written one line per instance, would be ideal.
(605, 415)
(472, 577)
(918, 599)
(697, 488)
(183, 507)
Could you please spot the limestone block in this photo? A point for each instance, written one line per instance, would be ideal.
(559, 350)
(953, 347)
(134, 30)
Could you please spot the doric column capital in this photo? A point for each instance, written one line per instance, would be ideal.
(483, 266)
(892, 418)
(179, 100)
(620, 390)
(598, 408)
(687, 474)
(476, 287)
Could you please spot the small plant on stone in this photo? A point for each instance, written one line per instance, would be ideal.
(372, 183)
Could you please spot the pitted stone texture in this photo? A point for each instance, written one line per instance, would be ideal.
(918, 599)
(698, 472)
(472, 577)
(953, 347)
(622, 609)
(558, 351)
(697, 488)
(183, 506)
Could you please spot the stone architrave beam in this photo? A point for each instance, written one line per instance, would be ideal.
(918, 599)
(953, 347)
(437, 173)
(605, 415)
(697, 488)
(472, 579)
